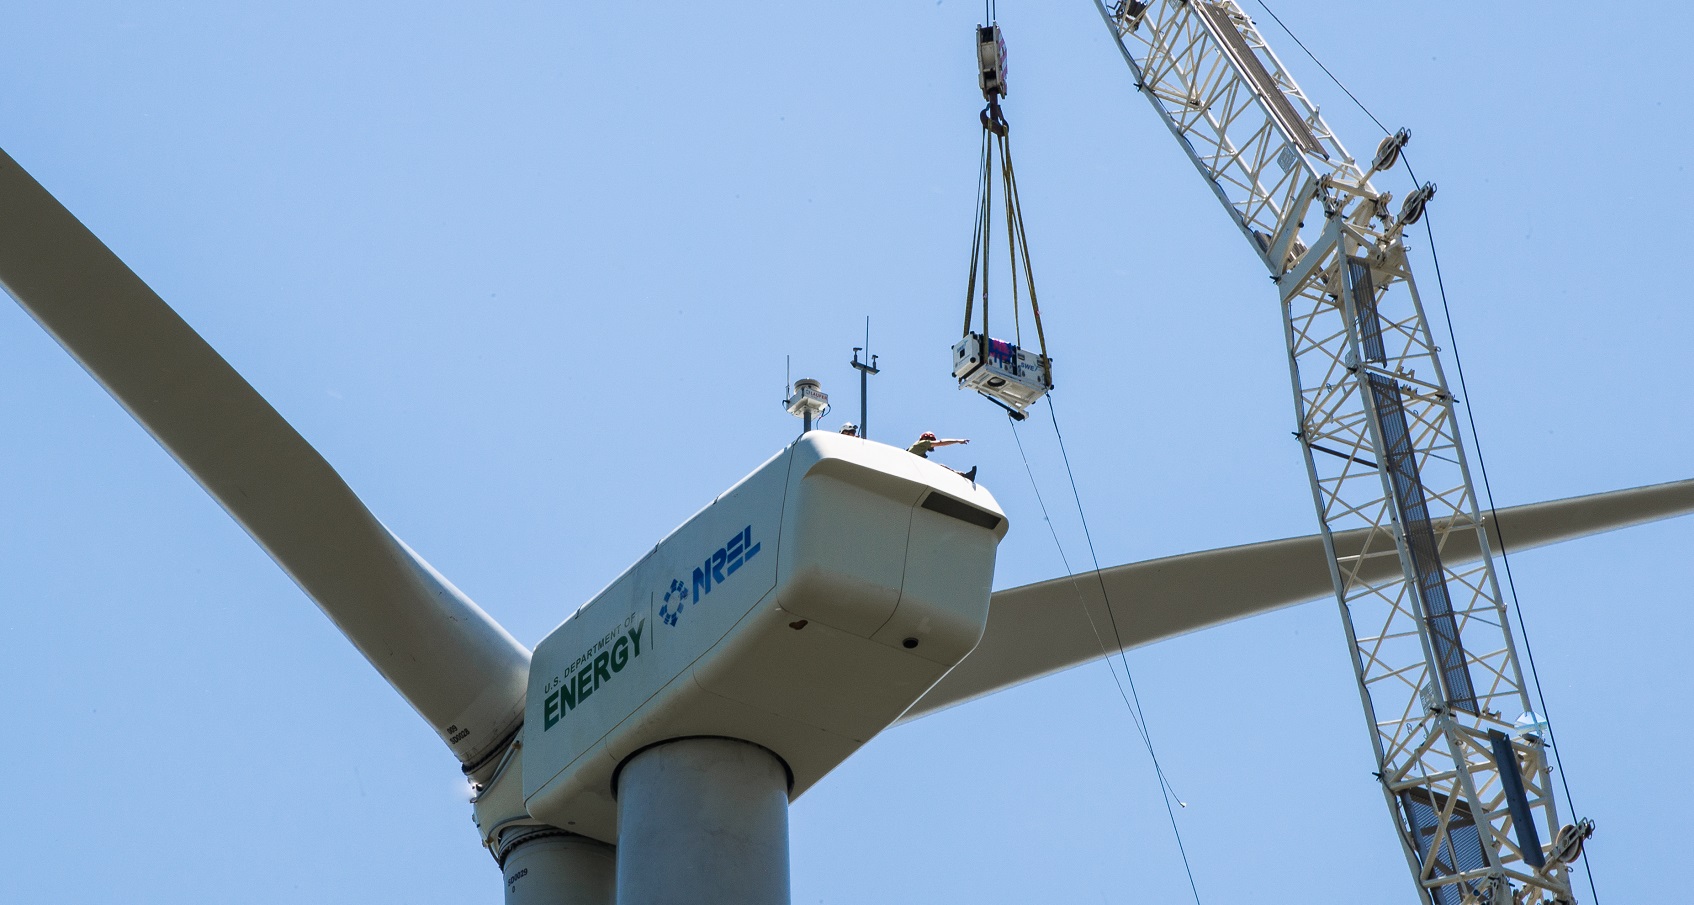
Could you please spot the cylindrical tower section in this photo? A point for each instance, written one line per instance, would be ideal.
(558, 868)
(703, 820)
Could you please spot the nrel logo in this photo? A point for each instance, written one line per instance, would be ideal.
(726, 561)
(595, 667)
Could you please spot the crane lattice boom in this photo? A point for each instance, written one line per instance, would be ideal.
(1467, 782)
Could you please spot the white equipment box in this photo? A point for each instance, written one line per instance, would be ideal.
(804, 610)
(1001, 371)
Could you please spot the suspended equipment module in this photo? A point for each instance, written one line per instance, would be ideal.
(1009, 375)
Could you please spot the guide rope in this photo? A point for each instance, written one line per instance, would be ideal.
(1131, 697)
(1476, 442)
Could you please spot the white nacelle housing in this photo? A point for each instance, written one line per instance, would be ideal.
(804, 610)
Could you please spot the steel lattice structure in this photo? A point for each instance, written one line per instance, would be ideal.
(1468, 788)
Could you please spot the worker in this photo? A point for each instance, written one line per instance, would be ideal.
(928, 441)
(849, 429)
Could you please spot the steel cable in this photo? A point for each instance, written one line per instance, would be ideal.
(1131, 697)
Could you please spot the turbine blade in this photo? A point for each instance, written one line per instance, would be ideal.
(453, 663)
(1039, 629)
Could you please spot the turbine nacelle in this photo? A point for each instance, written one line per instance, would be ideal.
(804, 611)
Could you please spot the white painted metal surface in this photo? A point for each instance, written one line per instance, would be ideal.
(805, 610)
(703, 821)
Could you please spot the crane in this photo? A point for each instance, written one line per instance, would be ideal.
(1460, 754)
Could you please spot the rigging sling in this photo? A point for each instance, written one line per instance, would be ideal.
(1006, 372)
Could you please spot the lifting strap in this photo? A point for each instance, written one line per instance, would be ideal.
(979, 241)
(995, 138)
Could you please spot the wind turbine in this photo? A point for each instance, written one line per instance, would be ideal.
(676, 780)
(563, 607)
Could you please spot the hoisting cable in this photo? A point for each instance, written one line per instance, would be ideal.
(1003, 372)
(1505, 559)
(1131, 697)
(1476, 441)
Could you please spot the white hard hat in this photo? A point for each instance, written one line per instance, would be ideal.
(848, 427)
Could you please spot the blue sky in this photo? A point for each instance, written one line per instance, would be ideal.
(527, 276)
